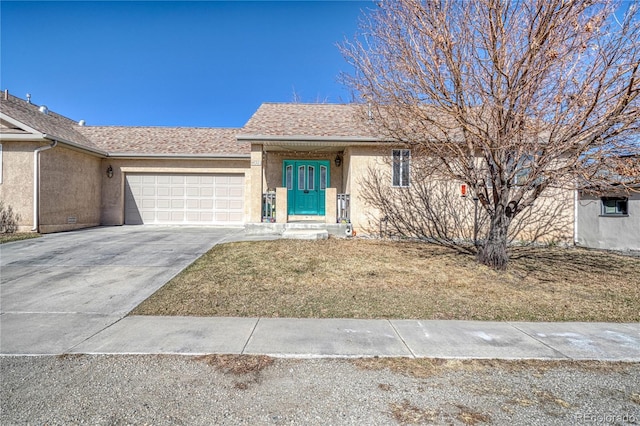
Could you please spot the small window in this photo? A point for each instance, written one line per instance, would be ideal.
(0, 163)
(289, 177)
(311, 181)
(323, 178)
(401, 159)
(301, 186)
(615, 206)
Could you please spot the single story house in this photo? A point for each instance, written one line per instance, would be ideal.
(290, 163)
(58, 174)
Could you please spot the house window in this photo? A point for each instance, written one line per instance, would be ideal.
(401, 167)
(0, 163)
(615, 206)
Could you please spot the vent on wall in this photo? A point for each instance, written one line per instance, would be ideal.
(72, 219)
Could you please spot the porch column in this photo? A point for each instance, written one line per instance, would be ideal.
(281, 205)
(330, 205)
(255, 207)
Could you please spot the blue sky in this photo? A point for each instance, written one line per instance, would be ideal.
(200, 64)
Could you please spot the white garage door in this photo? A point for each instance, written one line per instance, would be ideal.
(184, 199)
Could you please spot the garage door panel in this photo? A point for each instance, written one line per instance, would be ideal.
(236, 205)
(184, 199)
(236, 192)
(193, 204)
(148, 204)
(193, 191)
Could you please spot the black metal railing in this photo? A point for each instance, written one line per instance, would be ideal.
(343, 208)
(269, 207)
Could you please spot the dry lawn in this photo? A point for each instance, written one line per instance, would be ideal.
(358, 278)
(17, 236)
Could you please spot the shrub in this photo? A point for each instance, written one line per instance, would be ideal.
(8, 219)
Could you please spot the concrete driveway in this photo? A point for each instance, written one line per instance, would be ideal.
(59, 290)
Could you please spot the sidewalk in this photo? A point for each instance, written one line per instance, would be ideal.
(333, 338)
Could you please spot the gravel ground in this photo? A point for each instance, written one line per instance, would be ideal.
(158, 390)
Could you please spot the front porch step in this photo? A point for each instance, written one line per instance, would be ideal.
(305, 234)
(312, 228)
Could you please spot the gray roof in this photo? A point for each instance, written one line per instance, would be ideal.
(120, 140)
(54, 125)
(308, 121)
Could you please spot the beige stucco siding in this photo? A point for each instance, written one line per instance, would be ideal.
(70, 190)
(113, 189)
(16, 189)
(358, 161)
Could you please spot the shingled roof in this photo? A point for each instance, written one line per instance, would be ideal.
(120, 140)
(55, 126)
(308, 121)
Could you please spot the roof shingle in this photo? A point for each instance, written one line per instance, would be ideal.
(53, 125)
(166, 140)
(309, 120)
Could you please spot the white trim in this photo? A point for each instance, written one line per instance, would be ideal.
(0, 164)
(23, 126)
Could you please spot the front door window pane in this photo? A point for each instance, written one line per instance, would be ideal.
(289, 177)
(323, 178)
(301, 178)
(311, 182)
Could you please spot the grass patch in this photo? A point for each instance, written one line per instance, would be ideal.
(357, 278)
(17, 236)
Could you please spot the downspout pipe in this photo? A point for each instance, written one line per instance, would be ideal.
(36, 182)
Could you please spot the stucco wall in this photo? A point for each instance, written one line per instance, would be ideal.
(16, 189)
(112, 207)
(357, 162)
(70, 190)
(551, 218)
(608, 232)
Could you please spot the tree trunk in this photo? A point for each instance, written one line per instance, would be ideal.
(494, 251)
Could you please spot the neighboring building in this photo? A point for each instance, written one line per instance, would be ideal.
(289, 163)
(608, 222)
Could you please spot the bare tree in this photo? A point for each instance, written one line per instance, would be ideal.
(433, 209)
(513, 97)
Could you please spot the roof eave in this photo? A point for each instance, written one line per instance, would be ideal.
(137, 155)
(75, 145)
(267, 139)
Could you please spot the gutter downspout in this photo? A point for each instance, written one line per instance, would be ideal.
(36, 182)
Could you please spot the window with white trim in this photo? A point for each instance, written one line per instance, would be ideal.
(0, 163)
(400, 167)
(615, 206)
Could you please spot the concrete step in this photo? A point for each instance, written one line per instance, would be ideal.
(305, 234)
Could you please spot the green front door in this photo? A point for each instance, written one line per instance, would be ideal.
(306, 182)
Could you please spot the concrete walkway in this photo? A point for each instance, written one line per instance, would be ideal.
(70, 293)
(331, 338)
(313, 338)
